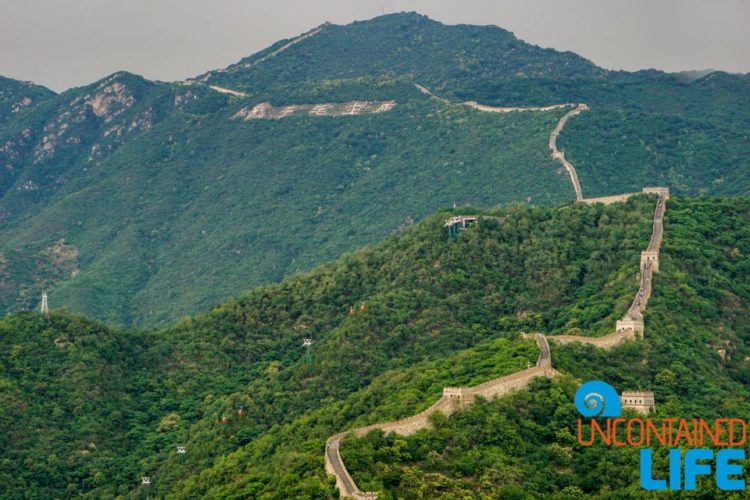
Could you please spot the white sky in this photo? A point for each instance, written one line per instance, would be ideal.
(64, 43)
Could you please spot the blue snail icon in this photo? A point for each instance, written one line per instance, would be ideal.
(597, 399)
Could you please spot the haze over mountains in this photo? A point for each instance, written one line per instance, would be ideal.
(139, 202)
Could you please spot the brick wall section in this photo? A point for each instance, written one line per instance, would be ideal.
(608, 199)
(558, 155)
(453, 398)
(631, 325)
(606, 342)
(629, 328)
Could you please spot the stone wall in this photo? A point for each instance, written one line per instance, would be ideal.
(640, 401)
(452, 399)
(608, 199)
(334, 466)
(606, 342)
(630, 327)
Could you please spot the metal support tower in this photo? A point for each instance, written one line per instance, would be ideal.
(45, 306)
(308, 344)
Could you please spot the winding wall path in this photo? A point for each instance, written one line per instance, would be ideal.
(560, 156)
(452, 399)
(557, 155)
(290, 43)
(630, 327)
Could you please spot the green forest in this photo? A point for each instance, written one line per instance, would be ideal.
(91, 408)
(148, 185)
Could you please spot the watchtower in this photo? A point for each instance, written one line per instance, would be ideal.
(629, 324)
(460, 223)
(650, 257)
(662, 191)
(461, 395)
(640, 401)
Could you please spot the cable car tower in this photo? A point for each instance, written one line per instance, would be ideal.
(146, 482)
(45, 306)
(307, 343)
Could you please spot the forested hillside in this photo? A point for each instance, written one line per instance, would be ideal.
(122, 197)
(524, 446)
(91, 408)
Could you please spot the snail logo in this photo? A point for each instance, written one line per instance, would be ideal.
(597, 399)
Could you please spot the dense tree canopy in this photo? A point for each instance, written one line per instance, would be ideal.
(91, 408)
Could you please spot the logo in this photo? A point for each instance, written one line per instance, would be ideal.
(687, 440)
(598, 399)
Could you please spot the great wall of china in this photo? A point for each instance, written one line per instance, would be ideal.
(453, 398)
(630, 327)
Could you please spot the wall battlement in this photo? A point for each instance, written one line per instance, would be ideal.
(606, 200)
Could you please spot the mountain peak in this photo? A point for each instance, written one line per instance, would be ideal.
(411, 17)
(405, 44)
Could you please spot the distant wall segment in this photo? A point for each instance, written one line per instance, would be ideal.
(629, 327)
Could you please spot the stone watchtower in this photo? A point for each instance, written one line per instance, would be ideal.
(661, 191)
(640, 401)
(650, 257)
(462, 396)
(630, 324)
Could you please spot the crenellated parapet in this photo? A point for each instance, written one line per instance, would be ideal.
(605, 342)
(607, 200)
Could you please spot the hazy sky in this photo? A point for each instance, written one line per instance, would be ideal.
(64, 43)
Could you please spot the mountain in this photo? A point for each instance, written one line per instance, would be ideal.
(139, 202)
(90, 408)
(408, 44)
(18, 98)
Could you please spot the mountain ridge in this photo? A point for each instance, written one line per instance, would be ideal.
(182, 183)
(438, 311)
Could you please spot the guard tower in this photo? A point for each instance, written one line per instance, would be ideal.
(463, 396)
(630, 324)
(640, 401)
(650, 257)
(661, 191)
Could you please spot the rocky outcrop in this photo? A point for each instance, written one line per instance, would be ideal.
(267, 111)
